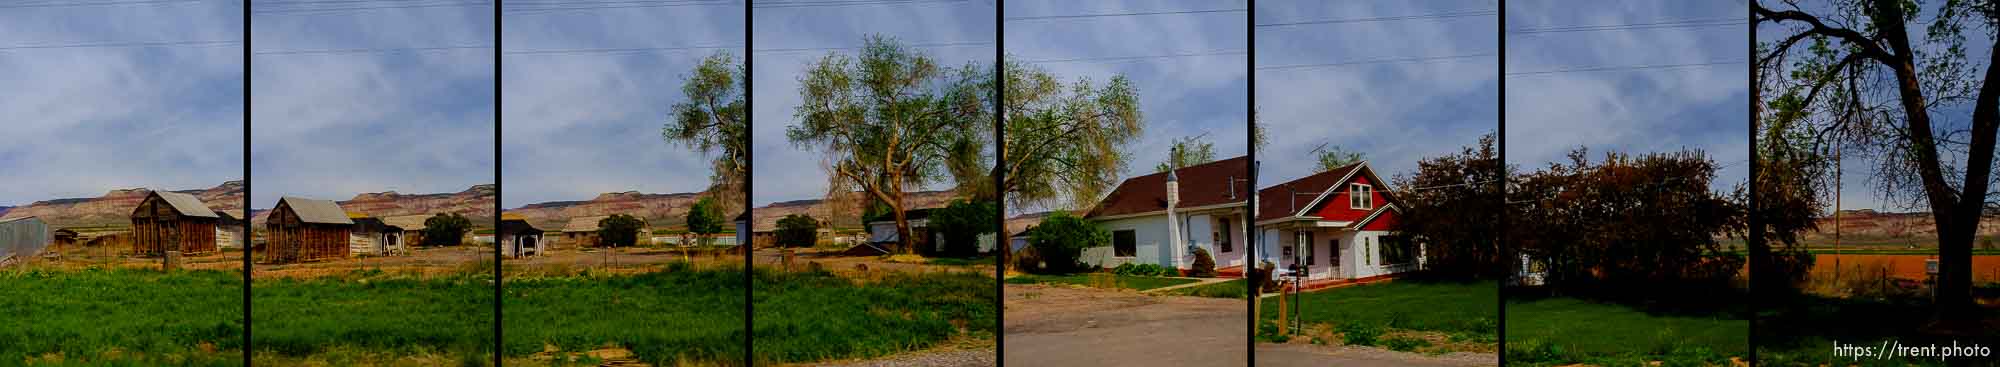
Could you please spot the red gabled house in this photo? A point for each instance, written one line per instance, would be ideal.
(1340, 223)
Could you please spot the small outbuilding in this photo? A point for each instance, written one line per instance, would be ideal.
(372, 236)
(518, 237)
(306, 230)
(22, 238)
(172, 221)
(412, 225)
(228, 231)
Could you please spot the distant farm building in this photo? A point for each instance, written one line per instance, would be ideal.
(519, 238)
(22, 238)
(65, 237)
(582, 231)
(371, 236)
(228, 231)
(172, 221)
(412, 225)
(306, 230)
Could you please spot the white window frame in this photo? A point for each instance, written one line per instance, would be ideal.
(1361, 196)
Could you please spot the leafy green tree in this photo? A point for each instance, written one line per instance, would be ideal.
(1060, 240)
(1334, 157)
(713, 120)
(1456, 213)
(1856, 73)
(892, 119)
(704, 219)
(619, 230)
(1791, 188)
(961, 222)
(445, 229)
(797, 231)
(1187, 151)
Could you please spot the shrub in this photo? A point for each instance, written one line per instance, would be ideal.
(961, 223)
(1405, 344)
(797, 231)
(1060, 240)
(1204, 265)
(1142, 270)
(1358, 333)
(619, 230)
(445, 229)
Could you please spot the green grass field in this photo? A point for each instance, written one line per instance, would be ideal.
(1100, 280)
(1559, 330)
(121, 318)
(817, 316)
(387, 315)
(1464, 312)
(677, 315)
(1230, 289)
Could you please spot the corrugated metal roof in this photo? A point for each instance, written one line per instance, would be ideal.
(186, 204)
(316, 211)
(413, 222)
(584, 224)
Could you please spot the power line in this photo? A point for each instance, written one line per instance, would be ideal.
(121, 45)
(1130, 58)
(96, 3)
(1380, 61)
(1623, 68)
(1385, 19)
(1685, 23)
(551, 7)
(299, 11)
(367, 50)
(1079, 16)
(617, 50)
(806, 49)
(813, 4)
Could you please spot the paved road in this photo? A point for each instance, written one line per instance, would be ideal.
(1061, 326)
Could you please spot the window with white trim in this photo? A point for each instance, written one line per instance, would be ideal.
(1360, 196)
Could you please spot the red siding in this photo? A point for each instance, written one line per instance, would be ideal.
(1336, 207)
(1387, 222)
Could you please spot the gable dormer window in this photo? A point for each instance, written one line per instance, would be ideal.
(1360, 196)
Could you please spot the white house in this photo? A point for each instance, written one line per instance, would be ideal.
(1159, 218)
(1340, 223)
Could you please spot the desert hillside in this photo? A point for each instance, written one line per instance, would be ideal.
(1867, 225)
(843, 215)
(114, 208)
(475, 203)
(660, 210)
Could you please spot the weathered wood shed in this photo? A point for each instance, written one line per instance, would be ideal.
(305, 230)
(22, 238)
(228, 231)
(519, 238)
(172, 221)
(372, 236)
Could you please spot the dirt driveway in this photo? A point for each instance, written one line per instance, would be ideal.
(1068, 326)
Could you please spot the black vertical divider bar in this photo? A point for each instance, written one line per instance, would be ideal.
(1500, 138)
(999, 178)
(1250, 71)
(749, 176)
(1756, 236)
(498, 190)
(247, 347)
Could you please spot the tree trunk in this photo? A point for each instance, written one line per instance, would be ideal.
(904, 242)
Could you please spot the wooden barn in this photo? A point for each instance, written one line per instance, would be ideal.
(66, 237)
(519, 238)
(306, 230)
(581, 232)
(372, 236)
(172, 221)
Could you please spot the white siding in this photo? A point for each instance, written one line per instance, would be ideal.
(1149, 235)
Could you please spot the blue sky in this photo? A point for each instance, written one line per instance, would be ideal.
(1394, 113)
(1858, 186)
(782, 171)
(81, 121)
(582, 123)
(331, 125)
(1178, 96)
(1633, 111)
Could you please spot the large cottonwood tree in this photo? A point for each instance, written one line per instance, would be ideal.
(713, 120)
(1856, 71)
(892, 119)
